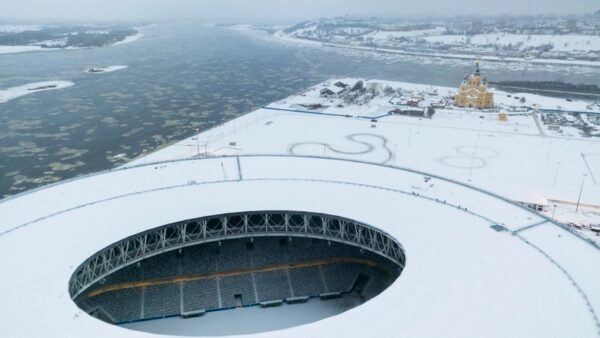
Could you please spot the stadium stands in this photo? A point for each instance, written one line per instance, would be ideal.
(307, 281)
(122, 305)
(240, 285)
(161, 300)
(200, 295)
(235, 273)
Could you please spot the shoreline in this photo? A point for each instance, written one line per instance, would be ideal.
(4, 49)
(554, 62)
(12, 93)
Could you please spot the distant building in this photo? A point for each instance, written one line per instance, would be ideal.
(413, 111)
(473, 91)
(439, 104)
(409, 111)
(326, 92)
(332, 90)
(414, 101)
(340, 84)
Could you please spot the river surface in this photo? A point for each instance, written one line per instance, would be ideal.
(182, 77)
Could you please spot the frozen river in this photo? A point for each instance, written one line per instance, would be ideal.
(180, 79)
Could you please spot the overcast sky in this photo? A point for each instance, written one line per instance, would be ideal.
(274, 10)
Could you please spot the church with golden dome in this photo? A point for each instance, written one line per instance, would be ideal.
(473, 91)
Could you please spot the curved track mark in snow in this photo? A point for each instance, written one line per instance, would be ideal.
(369, 147)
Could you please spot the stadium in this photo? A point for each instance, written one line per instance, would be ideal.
(305, 236)
(251, 263)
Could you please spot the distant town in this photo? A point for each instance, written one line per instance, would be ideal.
(569, 39)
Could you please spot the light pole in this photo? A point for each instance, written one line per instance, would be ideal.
(580, 191)
(197, 142)
(549, 152)
(556, 173)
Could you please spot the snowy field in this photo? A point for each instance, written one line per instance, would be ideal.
(518, 158)
(30, 88)
(461, 148)
(563, 43)
(20, 49)
(390, 35)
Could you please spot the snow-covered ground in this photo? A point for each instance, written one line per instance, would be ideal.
(443, 55)
(30, 88)
(540, 280)
(517, 158)
(21, 49)
(563, 43)
(546, 49)
(102, 70)
(390, 35)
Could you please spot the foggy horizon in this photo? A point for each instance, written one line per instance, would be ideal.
(271, 11)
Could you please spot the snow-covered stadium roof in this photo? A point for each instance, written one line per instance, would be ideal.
(463, 278)
(478, 264)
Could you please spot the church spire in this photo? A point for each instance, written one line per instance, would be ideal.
(473, 92)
